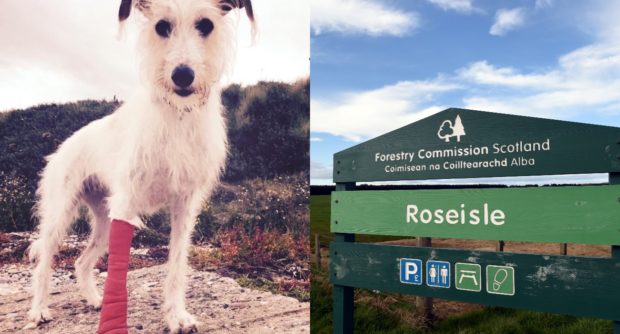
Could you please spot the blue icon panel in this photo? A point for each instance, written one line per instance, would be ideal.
(438, 274)
(411, 271)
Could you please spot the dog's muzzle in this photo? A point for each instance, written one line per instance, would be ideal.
(183, 77)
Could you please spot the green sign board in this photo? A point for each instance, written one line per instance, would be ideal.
(461, 143)
(581, 286)
(575, 214)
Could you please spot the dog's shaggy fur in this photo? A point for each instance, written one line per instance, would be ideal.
(164, 148)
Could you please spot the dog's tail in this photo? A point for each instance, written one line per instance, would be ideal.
(56, 208)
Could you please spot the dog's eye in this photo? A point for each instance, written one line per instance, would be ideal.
(163, 28)
(204, 26)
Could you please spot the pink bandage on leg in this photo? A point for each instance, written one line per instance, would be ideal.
(113, 318)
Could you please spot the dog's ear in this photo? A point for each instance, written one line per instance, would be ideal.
(228, 5)
(125, 8)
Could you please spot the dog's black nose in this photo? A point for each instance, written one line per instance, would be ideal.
(183, 76)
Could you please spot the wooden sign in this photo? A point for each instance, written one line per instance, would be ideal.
(581, 286)
(576, 214)
(461, 143)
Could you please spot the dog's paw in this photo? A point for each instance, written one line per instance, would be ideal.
(182, 323)
(94, 302)
(38, 317)
(30, 325)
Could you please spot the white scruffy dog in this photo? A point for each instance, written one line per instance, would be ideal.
(163, 148)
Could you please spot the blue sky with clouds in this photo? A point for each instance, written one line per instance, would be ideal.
(379, 65)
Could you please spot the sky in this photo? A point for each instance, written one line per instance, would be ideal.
(379, 65)
(56, 51)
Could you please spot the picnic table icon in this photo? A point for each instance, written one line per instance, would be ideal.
(471, 274)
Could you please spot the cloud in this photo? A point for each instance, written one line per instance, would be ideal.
(48, 53)
(482, 72)
(361, 115)
(52, 54)
(282, 51)
(585, 79)
(316, 139)
(320, 171)
(507, 20)
(582, 82)
(542, 4)
(461, 6)
(368, 17)
(603, 21)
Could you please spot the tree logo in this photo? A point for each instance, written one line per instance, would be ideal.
(449, 129)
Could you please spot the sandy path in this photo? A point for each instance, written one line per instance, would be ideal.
(218, 302)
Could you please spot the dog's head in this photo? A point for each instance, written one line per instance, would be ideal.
(186, 45)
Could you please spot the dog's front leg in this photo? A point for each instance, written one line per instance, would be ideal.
(182, 219)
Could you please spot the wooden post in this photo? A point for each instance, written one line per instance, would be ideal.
(343, 305)
(424, 242)
(317, 250)
(563, 249)
(425, 304)
(614, 178)
(500, 246)
(615, 253)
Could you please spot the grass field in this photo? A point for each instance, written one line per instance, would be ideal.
(319, 219)
(395, 314)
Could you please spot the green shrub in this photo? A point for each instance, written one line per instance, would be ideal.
(16, 202)
(259, 251)
(157, 231)
(267, 126)
(278, 204)
(28, 136)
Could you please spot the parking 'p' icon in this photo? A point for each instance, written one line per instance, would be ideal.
(411, 271)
